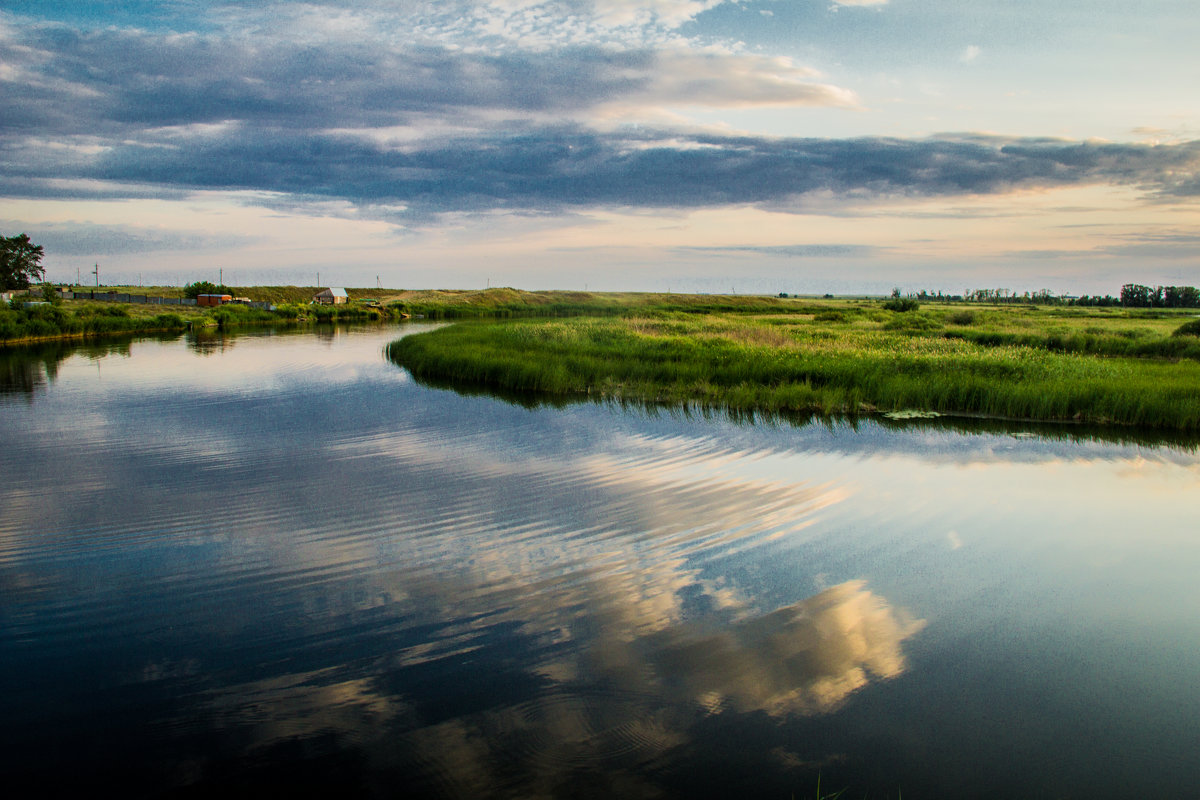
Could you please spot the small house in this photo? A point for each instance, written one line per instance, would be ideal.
(331, 296)
(213, 299)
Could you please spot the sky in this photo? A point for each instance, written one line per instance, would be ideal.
(748, 146)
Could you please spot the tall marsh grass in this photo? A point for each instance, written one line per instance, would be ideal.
(848, 366)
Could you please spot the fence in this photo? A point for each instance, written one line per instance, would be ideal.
(115, 297)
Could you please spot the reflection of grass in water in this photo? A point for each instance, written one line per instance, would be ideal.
(831, 796)
(797, 364)
(825, 796)
(820, 795)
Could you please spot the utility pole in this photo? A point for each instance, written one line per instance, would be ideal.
(96, 272)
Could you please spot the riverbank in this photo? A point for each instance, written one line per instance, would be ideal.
(28, 319)
(1100, 366)
(82, 318)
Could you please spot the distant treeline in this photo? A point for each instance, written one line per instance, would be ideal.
(1133, 295)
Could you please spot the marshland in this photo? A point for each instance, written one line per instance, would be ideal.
(1105, 365)
(827, 356)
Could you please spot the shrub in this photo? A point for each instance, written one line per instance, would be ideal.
(912, 322)
(169, 321)
(51, 295)
(901, 304)
(224, 318)
(962, 318)
(194, 290)
(1188, 329)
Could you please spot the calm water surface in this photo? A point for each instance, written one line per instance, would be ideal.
(273, 563)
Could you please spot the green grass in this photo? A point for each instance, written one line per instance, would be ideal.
(501, 303)
(53, 321)
(297, 295)
(1124, 368)
(73, 319)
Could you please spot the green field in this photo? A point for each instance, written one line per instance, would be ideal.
(1104, 366)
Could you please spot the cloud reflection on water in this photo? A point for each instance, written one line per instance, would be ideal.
(582, 582)
(617, 704)
(802, 659)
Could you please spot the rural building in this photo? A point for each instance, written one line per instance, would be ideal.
(213, 299)
(331, 296)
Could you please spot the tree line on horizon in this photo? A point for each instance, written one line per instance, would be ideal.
(20, 267)
(1133, 295)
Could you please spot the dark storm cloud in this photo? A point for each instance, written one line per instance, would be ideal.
(555, 169)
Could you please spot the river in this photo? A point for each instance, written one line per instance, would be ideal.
(272, 563)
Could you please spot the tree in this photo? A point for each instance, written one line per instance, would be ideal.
(1136, 296)
(194, 290)
(1182, 297)
(20, 262)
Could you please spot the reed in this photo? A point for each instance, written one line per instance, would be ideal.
(860, 363)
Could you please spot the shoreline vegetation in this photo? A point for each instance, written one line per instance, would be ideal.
(824, 356)
(52, 318)
(1100, 366)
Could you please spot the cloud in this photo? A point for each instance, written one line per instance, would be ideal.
(390, 105)
(969, 54)
(551, 169)
(790, 250)
(668, 13)
(803, 659)
(1170, 245)
(736, 80)
(71, 238)
(118, 83)
(475, 24)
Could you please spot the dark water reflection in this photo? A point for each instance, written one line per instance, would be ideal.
(273, 563)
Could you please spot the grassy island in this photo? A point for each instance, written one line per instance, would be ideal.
(1095, 365)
